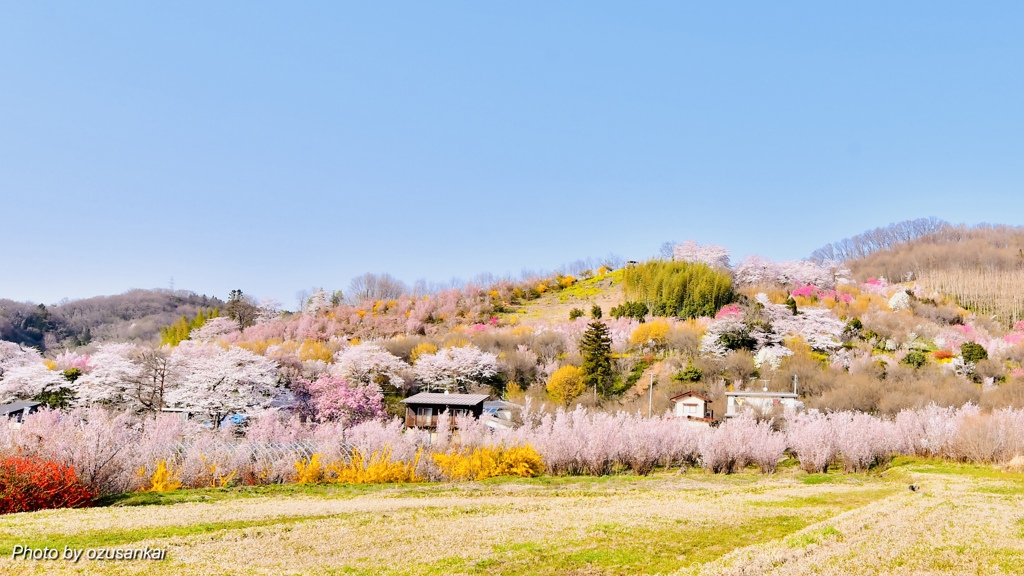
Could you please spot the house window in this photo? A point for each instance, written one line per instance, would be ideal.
(461, 412)
(424, 416)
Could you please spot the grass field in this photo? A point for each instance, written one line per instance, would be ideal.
(964, 520)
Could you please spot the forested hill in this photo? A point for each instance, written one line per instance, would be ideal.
(135, 315)
(981, 267)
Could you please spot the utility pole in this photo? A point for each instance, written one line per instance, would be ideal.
(650, 397)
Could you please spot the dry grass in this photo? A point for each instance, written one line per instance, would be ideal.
(687, 523)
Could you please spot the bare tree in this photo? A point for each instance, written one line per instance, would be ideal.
(375, 287)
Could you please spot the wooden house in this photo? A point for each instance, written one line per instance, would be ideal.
(423, 409)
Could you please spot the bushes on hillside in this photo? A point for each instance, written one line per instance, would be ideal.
(635, 310)
(683, 289)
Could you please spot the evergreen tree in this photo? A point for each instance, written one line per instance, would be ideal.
(596, 348)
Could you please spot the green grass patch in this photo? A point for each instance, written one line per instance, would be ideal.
(619, 549)
(807, 538)
(937, 466)
(840, 501)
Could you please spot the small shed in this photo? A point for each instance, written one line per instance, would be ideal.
(423, 409)
(692, 404)
(18, 410)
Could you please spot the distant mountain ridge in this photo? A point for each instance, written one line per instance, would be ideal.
(134, 315)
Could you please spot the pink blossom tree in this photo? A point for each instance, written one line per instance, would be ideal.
(335, 398)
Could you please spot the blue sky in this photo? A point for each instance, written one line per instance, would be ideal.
(274, 148)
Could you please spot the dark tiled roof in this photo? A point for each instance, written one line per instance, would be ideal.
(440, 399)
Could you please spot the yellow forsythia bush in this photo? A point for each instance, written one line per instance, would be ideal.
(379, 469)
(309, 471)
(490, 461)
(165, 478)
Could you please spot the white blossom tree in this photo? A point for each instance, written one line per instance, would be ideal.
(28, 380)
(754, 270)
(113, 371)
(455, 368)
(23, 373)
(368, 363)
(709, 254)
(130, 375)
(221, 382)
(213, 329)
(819, 327)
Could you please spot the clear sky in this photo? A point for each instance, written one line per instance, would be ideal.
(274, 147)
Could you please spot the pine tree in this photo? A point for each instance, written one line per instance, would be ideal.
(596, 348)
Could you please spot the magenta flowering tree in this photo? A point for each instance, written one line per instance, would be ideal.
(334, 398)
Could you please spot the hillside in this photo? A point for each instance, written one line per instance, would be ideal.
(981, 267)
(850, 339)
(133, 315)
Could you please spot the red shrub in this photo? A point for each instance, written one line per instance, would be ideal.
(943, 354)
(28, 484)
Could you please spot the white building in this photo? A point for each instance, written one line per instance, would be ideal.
(692, 405)
(760, 402)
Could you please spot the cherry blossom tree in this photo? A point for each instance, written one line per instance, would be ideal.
(335, 398)
(754, 270)
(110, 380)
(728, 326)
(23, 373)
(213, 329)
(130, 375)
(709, 254)
(771, 356)
(28, 380)
(221, 382)
(819, 327)
(368, 363)
(453, 369)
